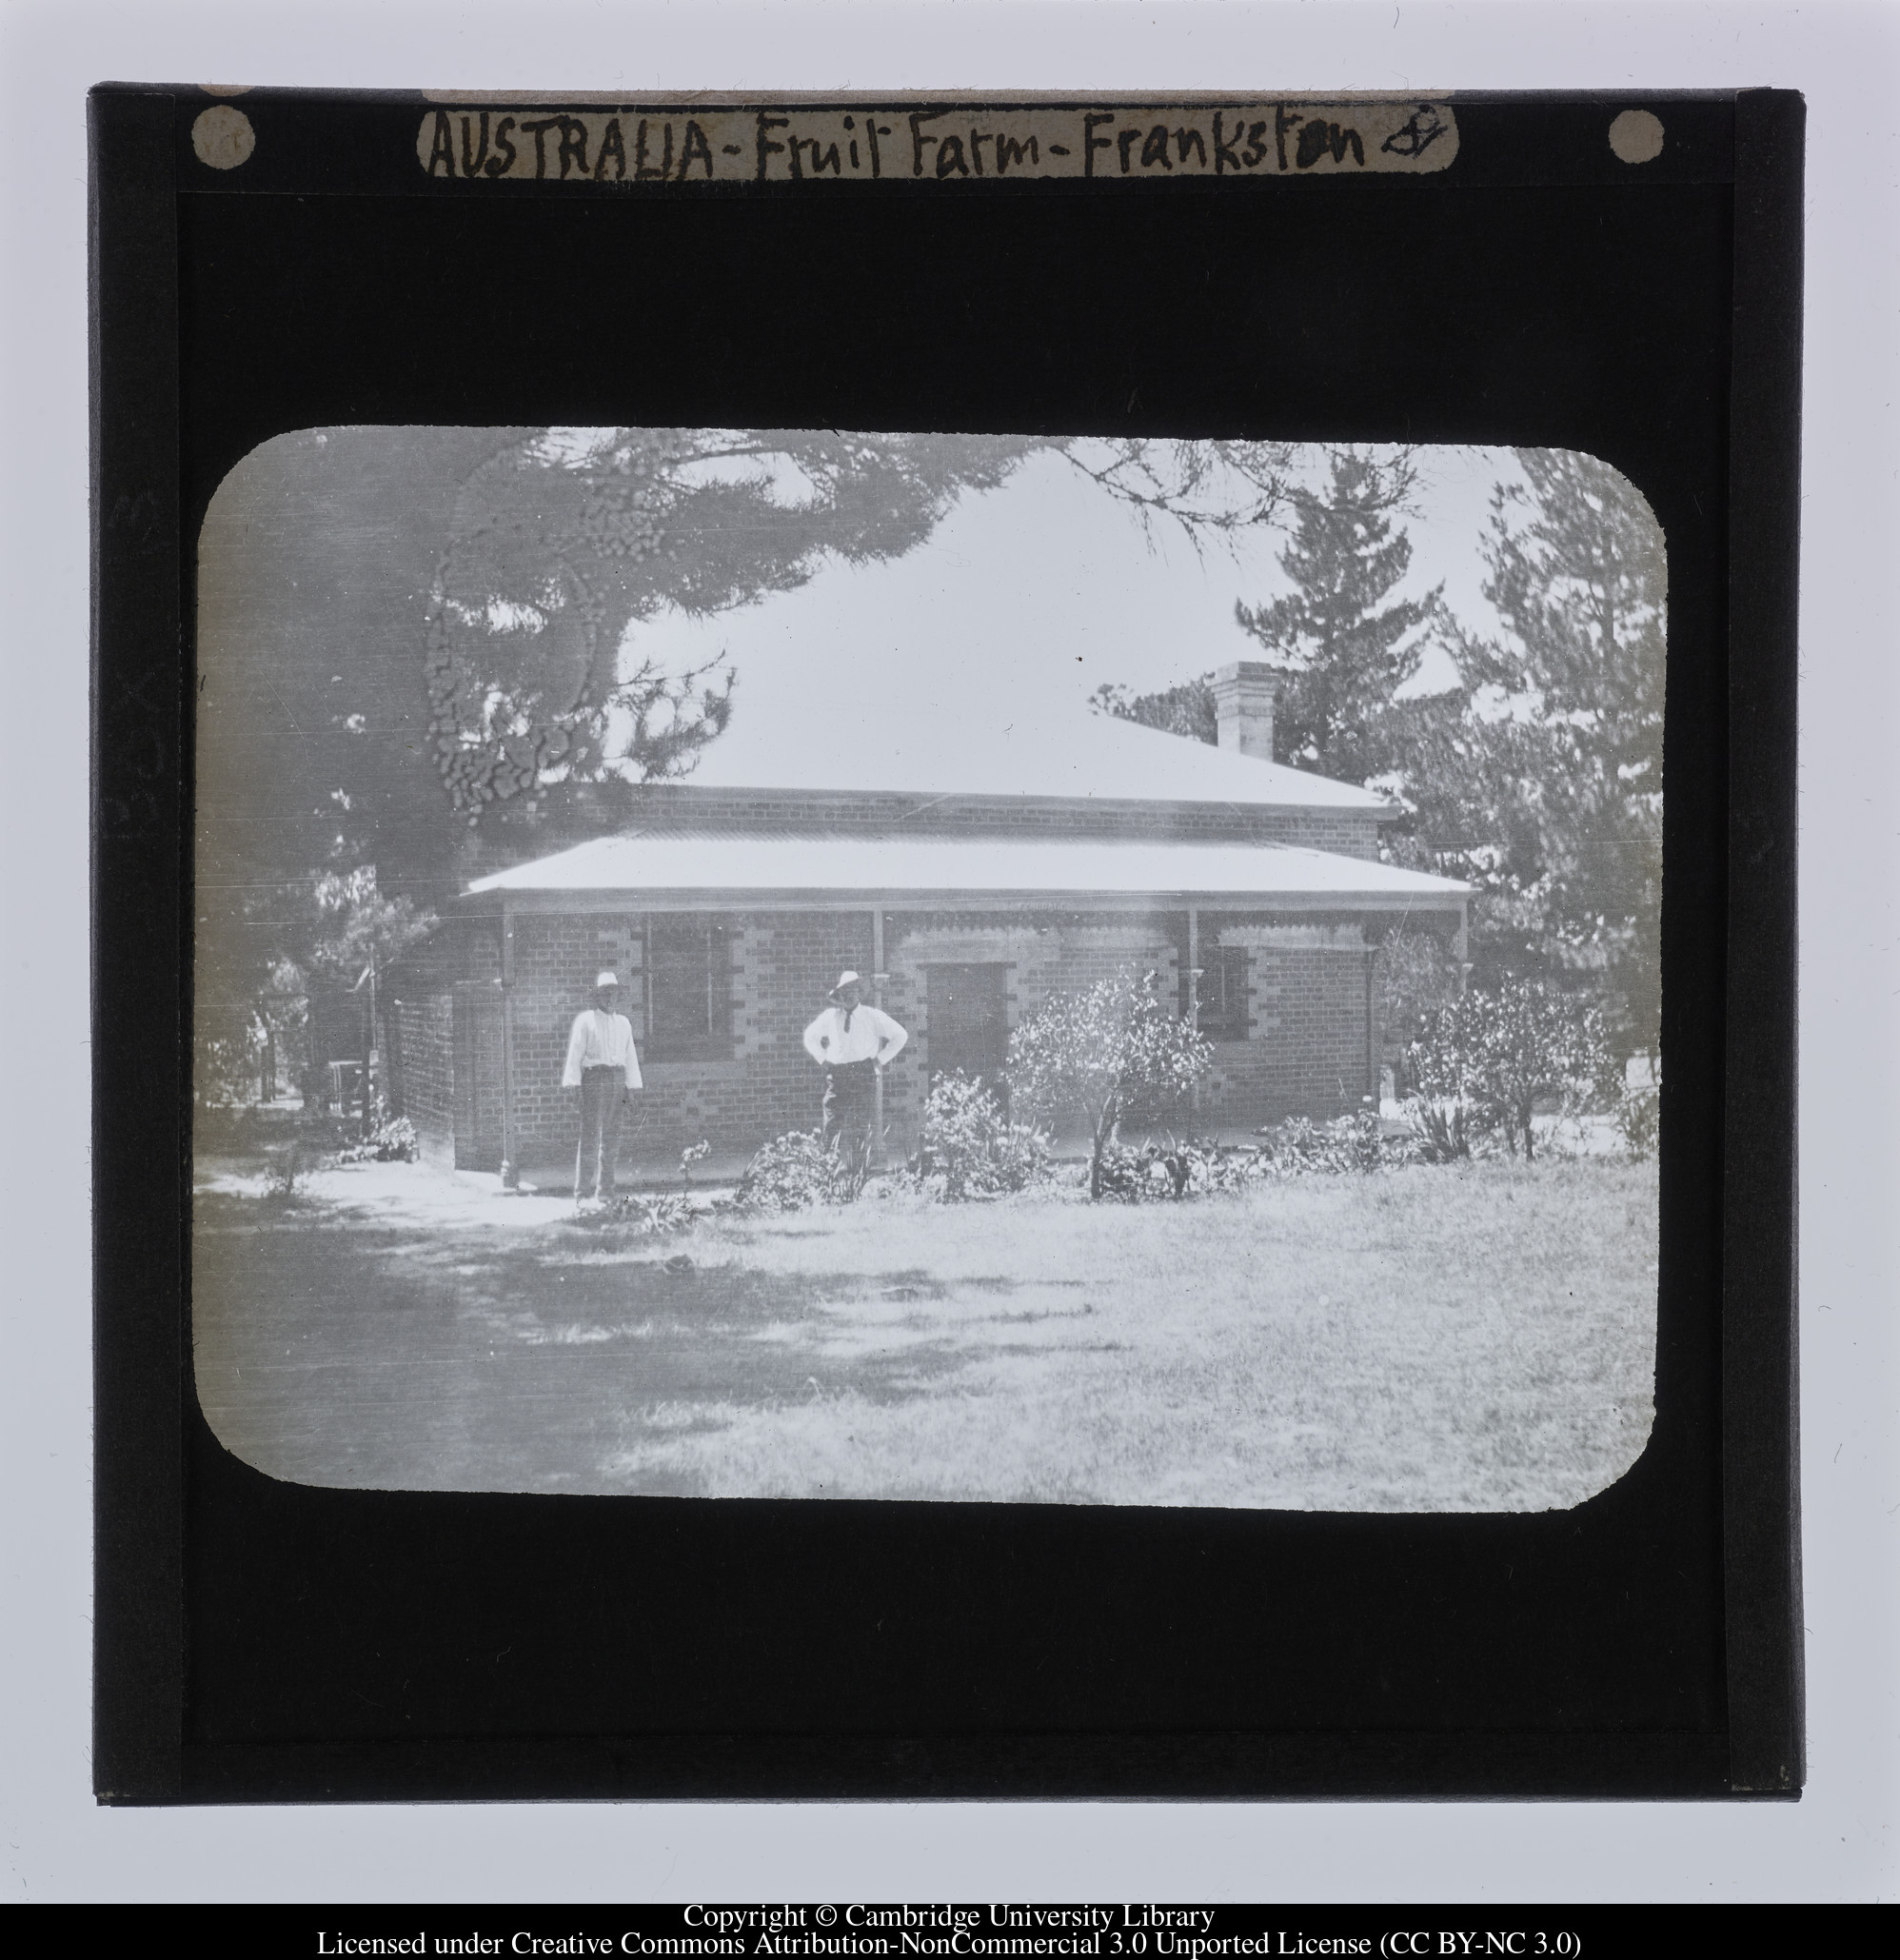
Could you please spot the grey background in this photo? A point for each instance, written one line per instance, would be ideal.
(1839, 1842)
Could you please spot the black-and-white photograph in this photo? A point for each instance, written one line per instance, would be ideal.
(764, 964)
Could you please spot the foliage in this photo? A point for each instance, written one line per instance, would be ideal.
(1342, 655)
(1416, 973)
(1501, 1053)
(248, 998)
(392, 1143)
(653, 1215)
(256, 971)
(1551, 789)
(968, 1148)
(693, 1154)
(1188, 709)
(1204, 488)
(351, 926)
(563, 546)
(1091, 1054)
(1365, 1141)
(1639, 1119)
(229, 1051)
(1439, 1133)
(286, 1166)
(1299, 1147)
(1539, 778)
(485, 589)
(1341, 646)
(1173, 1168)
(793, 1172)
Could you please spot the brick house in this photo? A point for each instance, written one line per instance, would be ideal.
(966, 899)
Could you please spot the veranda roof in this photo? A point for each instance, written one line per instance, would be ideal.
(675, 867)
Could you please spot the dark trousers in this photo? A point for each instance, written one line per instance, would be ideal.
(850, 1089)
(602, 1103)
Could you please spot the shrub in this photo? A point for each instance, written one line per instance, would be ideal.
(1364, 1139)
(393, 1143)
(1120, 1174)
(1639, 1119)
(1502, 1052)
(1299, 1147)
(1172, 1170)
(285, 1167)
(793, 1172)
(972, 1147)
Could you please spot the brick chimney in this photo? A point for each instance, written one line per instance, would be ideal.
(1243, 707)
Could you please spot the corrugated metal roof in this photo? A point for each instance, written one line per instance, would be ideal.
(965, 748)
(782, 863)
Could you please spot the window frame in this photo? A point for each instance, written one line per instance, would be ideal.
(716, 1044)
(1228, 1021)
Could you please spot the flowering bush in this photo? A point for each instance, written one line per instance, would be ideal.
(970, 1149)
(1093, 1054)
(792, 1173)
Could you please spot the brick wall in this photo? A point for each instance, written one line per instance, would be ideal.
(1305, 1050)
(425, 1057)
(781, 965)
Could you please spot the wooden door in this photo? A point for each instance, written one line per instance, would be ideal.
(969, 1024)
(478, 1076)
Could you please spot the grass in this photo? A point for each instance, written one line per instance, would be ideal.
(1473, 1338)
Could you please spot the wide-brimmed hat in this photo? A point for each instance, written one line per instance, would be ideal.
(605, 979)
(846, 979)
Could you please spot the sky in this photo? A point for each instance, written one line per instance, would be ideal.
(1026, 600)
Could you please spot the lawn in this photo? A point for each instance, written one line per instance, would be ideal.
(1479, 1337)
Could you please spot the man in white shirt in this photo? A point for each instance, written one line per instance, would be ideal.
(602, 1065)
(851, 1042)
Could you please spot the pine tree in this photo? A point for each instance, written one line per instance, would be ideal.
(1570, 780)
(1343, 652)
(407, 637)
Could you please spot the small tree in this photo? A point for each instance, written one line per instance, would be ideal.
(1497, 1053)
(1092, 1054)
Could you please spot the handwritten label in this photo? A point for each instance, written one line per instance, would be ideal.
(963, 143)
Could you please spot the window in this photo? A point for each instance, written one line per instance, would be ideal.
(688, 987)
(1223, 993)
